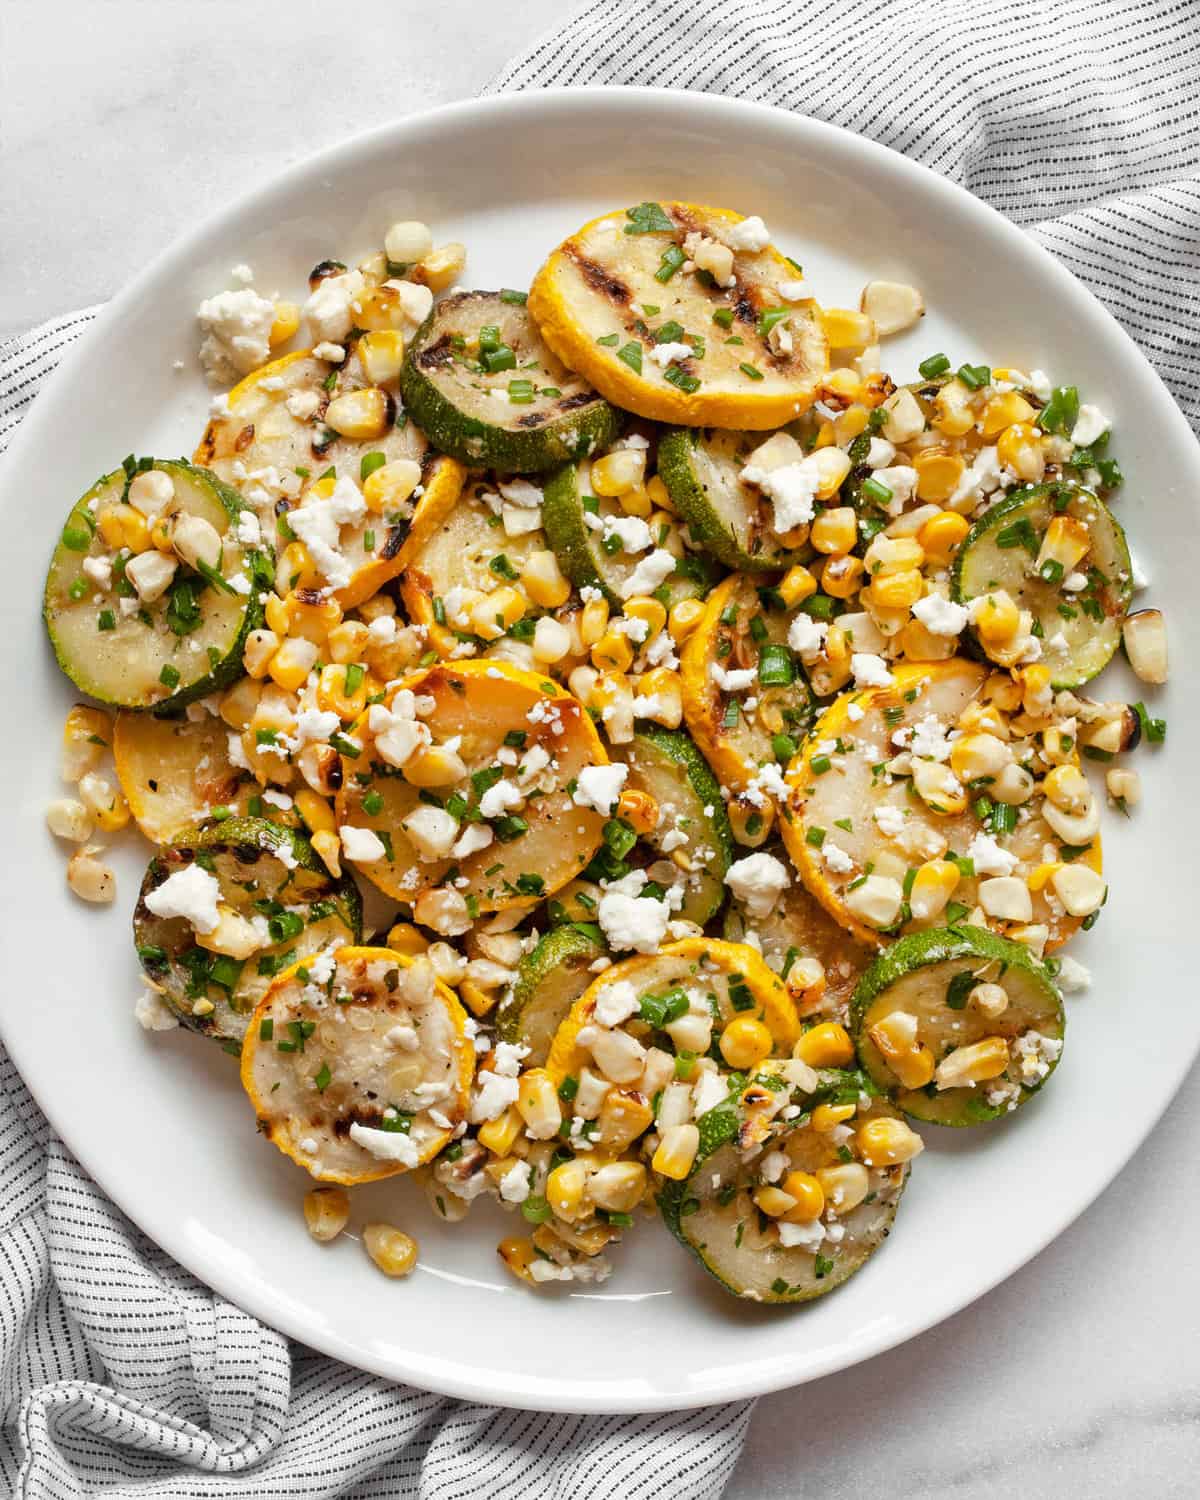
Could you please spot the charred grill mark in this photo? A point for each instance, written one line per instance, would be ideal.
(598, 278)
(534, 419)
(322, 271)
(744, 310)
(310, 596)
(244, 438)
(395, 540)
(438, 355)
(246, 854)
(580, 398)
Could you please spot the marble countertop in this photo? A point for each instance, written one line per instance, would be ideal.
(122, 121)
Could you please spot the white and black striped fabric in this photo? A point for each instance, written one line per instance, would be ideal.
(121, 1374)
(1079, 119)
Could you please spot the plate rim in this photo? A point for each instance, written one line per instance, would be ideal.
(743, 1382)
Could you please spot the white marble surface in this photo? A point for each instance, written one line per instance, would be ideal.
(120, 122)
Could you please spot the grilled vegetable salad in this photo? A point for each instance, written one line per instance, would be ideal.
(708, 711)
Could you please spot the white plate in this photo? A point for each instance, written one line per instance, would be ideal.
(160, 1121)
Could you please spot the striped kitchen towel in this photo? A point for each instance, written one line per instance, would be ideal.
(122, 1374)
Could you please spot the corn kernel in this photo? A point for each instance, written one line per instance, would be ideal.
(326, 1212)
(808, 1196)
(434, 766)
(393, 1251)
(315, 811)
(847, 329)
(884, 1142)
(543, 580)
(122, 526)
(937, 475)
(796, 585)
(827, 1117)
(87, 733)
(687, 614)
(942, 535)
(624, 1115)
(897, 590)
(347, 642)
(826, 1045)
(612, 653)
(1066, 542)
(565, 1189)
(975, 1063)
(295, 569)
(381, 354)
(239, 704)
(261, 646)
(938, 787)
(997, 619)
(677, 1151)
(442, 267)
(361, 415)
(619, 471)
(835, 530)
(661, 691)
(500, 1135)
(391, 485)
(745, 1042)
(832, 468)
(328, 848)
(1019, 448)
(773, 1201)
(952, 413)
(593, 621)
(652, 611)
(497, 611)
(1002, 411)
(292, 663)
(335, 694)
(841, 576)
(844, 1186)
(849, 424)
(104, 801)
(518, 1255)
(638, 809)
(538, 1104)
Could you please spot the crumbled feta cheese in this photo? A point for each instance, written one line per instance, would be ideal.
(191, 893)
(504, 796)
(236, 328)
(332, 354)
(599, 787)
(629, 920)
(303, 404)
(248, 531)
(650, 573)
(514, 1185)
(361, 845)
(758, 881)
(792, 488)
(1040, 385)
(890, 819)
(1090, 424)
(941, 616)
(153, 1013)
(855, 712)
(901, 479)
(631, 531)
(807, 1236)
(387, 1145)
(792, 291)
(806, 636)
(1073, 977)
(736, 680)
(709, 1090)
(507, 1058)
(870, 670)
(928, 739)
(836, 858)
(431, 831)
(318, 524)
(666, 354)
(989, 858)
(750, 234)
(880, 453)
(493, 1095)
(984, 476)
(616, 1003)
(328, 311)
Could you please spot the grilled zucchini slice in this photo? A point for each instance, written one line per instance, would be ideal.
(730, 979)
(273, 443)
(358, 1066)
(742, 631)
(930, 977)
(693, 825)
(1008, 548)
(713, 1213)
(850, 785)
(485, 388)
(168, 650)
(175, 772)
(700, 468)
(578, 526)
(490, 708)
(266, 872)
(616, 291)
(549, 981)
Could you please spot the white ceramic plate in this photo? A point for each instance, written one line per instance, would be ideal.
(160, 1121)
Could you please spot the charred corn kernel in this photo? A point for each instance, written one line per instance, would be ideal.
(518, 1255)
(841, 386)
(612, 653)
(434, 766)
(238, 705)
(359, 415)
(897, 590)
(625, 1115)
(942, 535)
(847, 329)
(287, 320)
(745, 1042)
(347, 642)
(848, 424)
(841, 576)
(1065, 543)
(651, 611)
(796, 585)
(997, 618)
(328, 848)
(1002, 411)
(952, 412)
(499, 1135)
(684, 617)
(1067, 787)
(1019, 448)
(773, 1201)
(827, 1116)
(976, 755)
(565, 1188)
(326, 1212)
(311, 620)
(844, 1186)
(442, 267)
(937, 475)
(618, 1186)
(543, 580)
(497, 611)
(884, 1142)
(933, 885)
(87, 734)
(639, 810)
(261, 646)
(832, 468)
(105, 802)
(835, 530)
(538, 1104)
(1124, 786)
(90, 879)
(677, 1151)
(393, 1251)
(296, 570)
(122, 526)
(315, 811)
(826, 1045)
(292, 663)
(391, 485)
(976, 1063)
(593, 621)
(984, 718)
(619, 471)
(381, 355)
(660, 697)
(335, 694)
(477, 1000)
(67, 818)
(938, 787)
(808, 1197)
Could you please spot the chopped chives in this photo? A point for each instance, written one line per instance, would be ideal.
(723, 317)
(672, 258)
(936, 364)
(631, 354)
(751, 371)
(371, 462)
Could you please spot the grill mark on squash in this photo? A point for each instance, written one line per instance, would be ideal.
(598, 277)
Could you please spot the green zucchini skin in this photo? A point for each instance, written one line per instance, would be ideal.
(282, 866)
(585, 562)
(666, 764)
(939, 954)
(723, 1236)
(455, 407)
(983, 564)
(549, 981)
(107, 664)
(700, 468)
